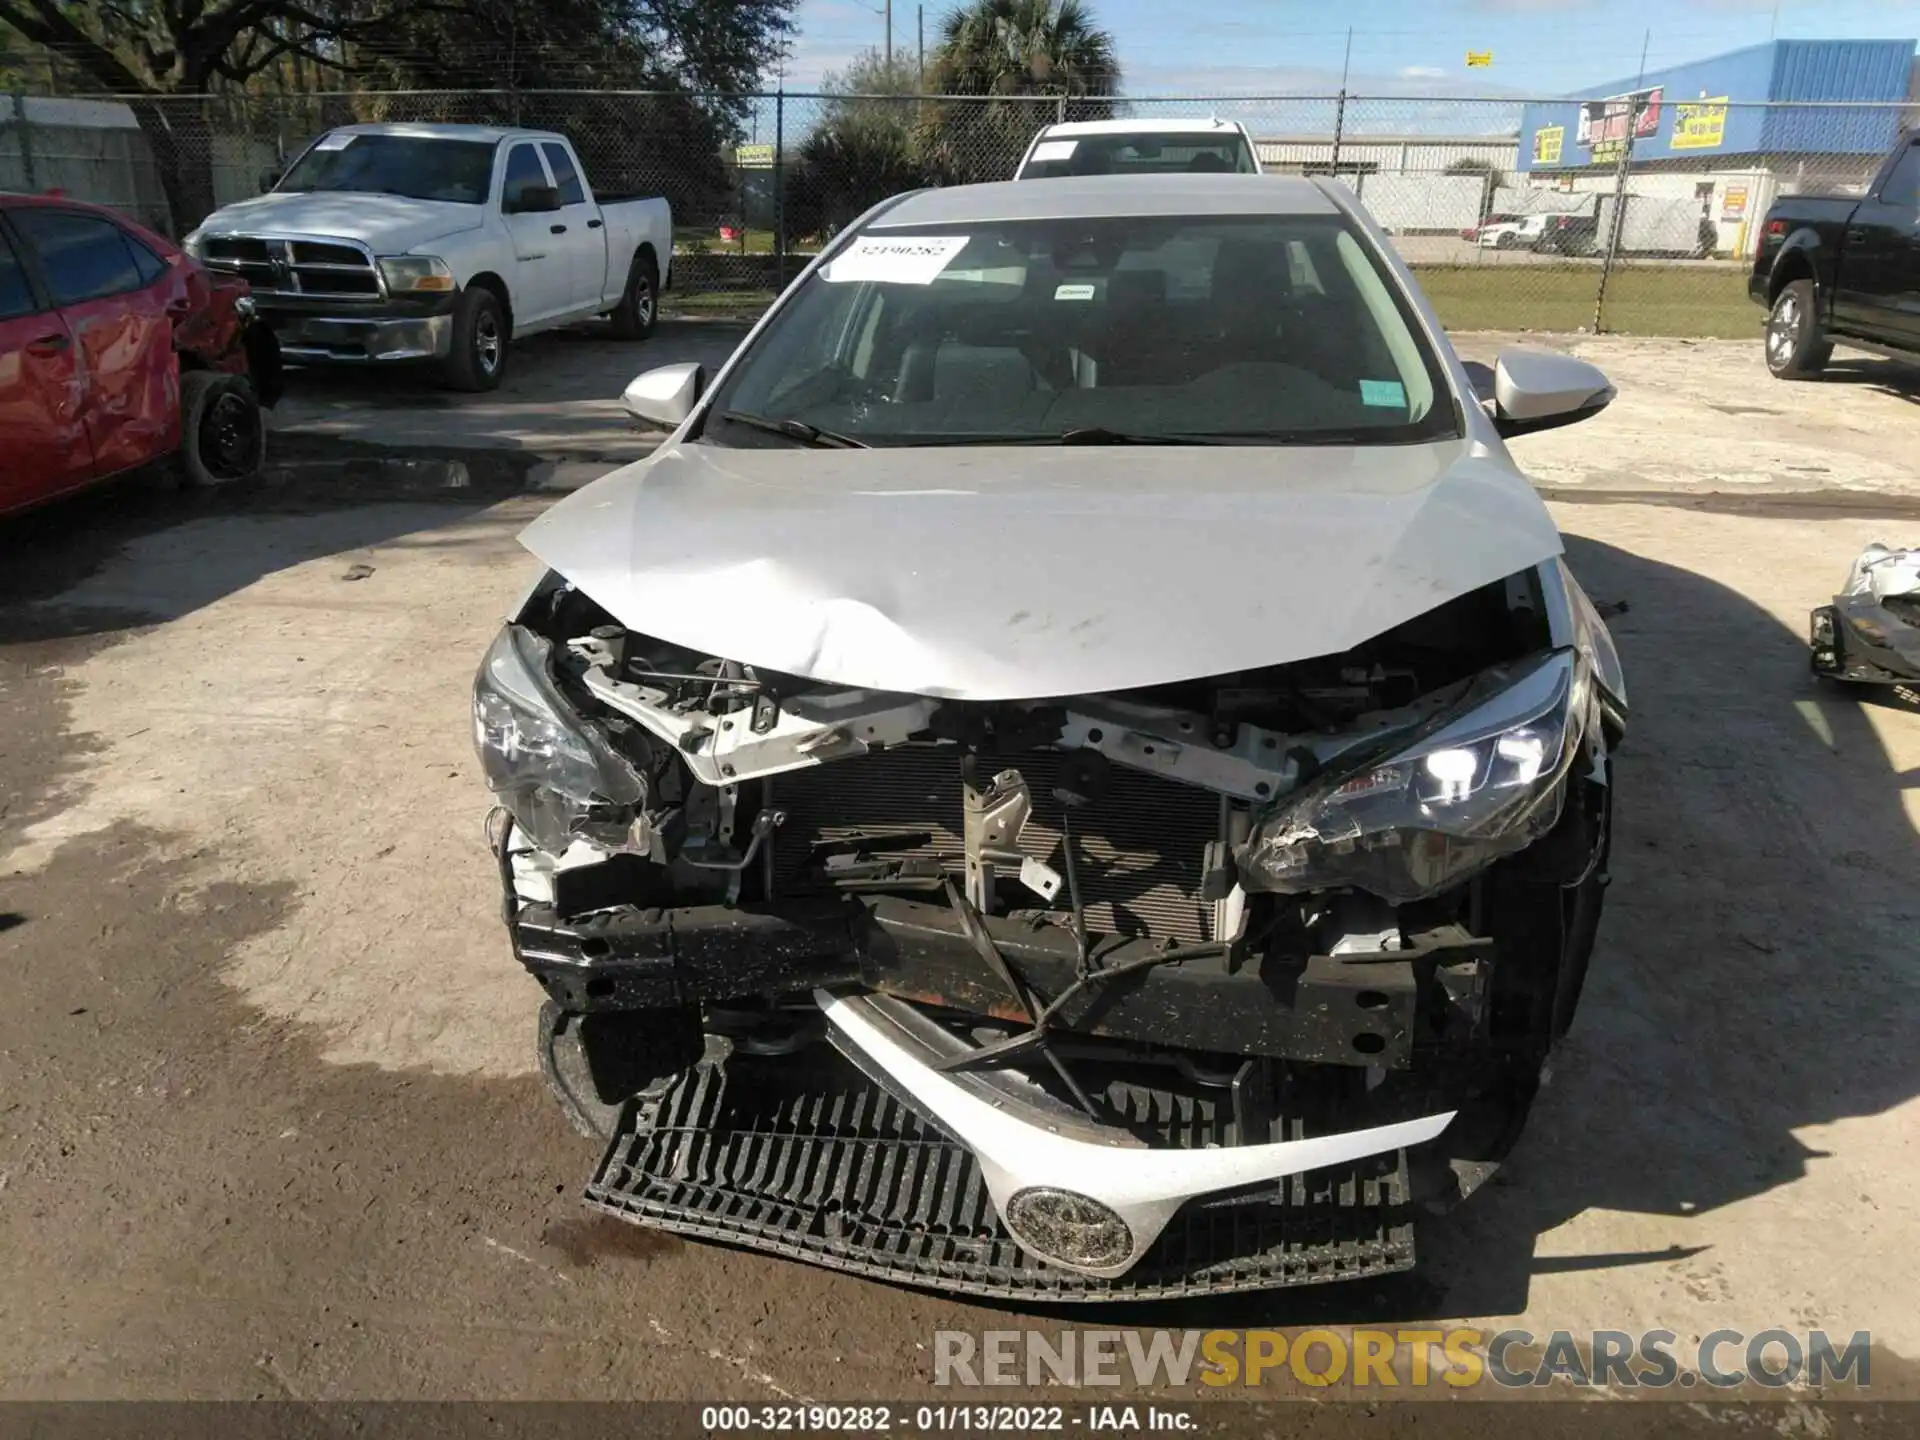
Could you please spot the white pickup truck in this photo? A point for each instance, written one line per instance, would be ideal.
(1149, 146)
(390, 243)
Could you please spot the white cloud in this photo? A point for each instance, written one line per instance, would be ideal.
(1421, 72)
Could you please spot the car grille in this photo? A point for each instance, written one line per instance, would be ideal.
(311, 269)
(1141, 845)
(805, 1157)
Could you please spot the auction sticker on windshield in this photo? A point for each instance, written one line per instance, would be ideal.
(895, 259)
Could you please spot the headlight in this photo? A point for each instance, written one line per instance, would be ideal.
(1484, 784)
(556, 774)
(415, 274)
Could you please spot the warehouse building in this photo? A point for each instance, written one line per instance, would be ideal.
(1710, 144)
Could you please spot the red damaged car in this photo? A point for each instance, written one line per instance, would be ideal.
(118, 350)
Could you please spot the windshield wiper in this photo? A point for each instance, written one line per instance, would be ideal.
(798, 430)
(1100, 435)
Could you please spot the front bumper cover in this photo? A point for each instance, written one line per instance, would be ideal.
(310, 337)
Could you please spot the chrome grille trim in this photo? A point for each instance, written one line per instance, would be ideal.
(302, 267)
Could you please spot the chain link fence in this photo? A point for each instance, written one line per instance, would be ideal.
(1635, 214)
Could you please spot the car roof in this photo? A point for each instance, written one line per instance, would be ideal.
(1167, 125)
(437, 131)
(1108, 196)
(14, 199)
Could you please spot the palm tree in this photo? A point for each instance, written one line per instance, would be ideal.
(1025, 47)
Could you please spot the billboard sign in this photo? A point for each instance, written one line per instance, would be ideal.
(1548, 141)
(1699, 124)
(1605, 125)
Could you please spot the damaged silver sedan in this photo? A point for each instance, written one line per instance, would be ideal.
(1078, 771)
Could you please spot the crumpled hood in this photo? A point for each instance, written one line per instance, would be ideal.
(1001, 573)
(389, 224)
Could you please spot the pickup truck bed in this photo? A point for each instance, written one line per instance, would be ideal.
(1846, 269)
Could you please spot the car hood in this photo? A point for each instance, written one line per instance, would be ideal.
(1001, 573)
(389, 224)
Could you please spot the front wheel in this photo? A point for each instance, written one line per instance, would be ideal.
(223, 435)
(639, 308)
(1797, 346)
(479, 355)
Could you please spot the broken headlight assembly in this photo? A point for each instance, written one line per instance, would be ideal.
(554, 772)
(1486, 781)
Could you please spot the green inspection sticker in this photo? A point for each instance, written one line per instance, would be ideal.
(1382, 392)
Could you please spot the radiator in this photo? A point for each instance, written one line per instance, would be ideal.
(1140, 846)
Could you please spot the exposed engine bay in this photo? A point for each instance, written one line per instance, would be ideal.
(1305, 932)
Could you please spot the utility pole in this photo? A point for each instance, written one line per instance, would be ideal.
(920, 32)
(889, 37)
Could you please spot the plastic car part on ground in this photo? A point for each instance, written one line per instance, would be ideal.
(1871, 632)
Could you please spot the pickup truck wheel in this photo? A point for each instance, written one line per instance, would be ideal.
(223, 435)
(479, 355)
(1797, 347)
(639, 307)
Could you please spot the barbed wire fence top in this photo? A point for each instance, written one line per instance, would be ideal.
(1545, 215)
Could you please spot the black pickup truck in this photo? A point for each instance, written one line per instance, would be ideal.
(1843, 269)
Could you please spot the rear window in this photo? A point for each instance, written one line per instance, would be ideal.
(565, 178)
(84, 257)
(1223, 154)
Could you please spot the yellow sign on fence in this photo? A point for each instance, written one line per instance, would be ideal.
(1547, 143)
(753, 157)
(1699, 124)
(1479, 59)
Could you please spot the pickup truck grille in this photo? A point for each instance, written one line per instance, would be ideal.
(309, 269)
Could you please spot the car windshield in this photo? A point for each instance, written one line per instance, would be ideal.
(1140, 154)
(418, 166)
(1242, 330)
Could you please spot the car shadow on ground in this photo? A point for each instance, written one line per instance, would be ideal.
(316, 498)
(1752, 979)
(1899, 379)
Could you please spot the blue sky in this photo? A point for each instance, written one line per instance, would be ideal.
(1540, 47)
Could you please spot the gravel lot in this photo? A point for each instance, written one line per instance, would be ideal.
(268, 1118)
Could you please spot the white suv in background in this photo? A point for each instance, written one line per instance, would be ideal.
(1140, 147)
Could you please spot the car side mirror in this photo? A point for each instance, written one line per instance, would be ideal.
(534, 200)
(269, 179)
(1542, 389)
(665, 397)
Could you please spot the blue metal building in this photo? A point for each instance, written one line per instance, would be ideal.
(1726, 111)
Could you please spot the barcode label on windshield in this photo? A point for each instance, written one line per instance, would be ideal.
(895, 259)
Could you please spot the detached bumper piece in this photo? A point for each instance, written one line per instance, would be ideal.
(804, 1156)
(1868, 639)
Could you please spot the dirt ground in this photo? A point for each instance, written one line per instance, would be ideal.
(268, 1119)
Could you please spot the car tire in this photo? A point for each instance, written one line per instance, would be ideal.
(639, 308)
(479, 355)
(223, 434)
(1796, 344)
